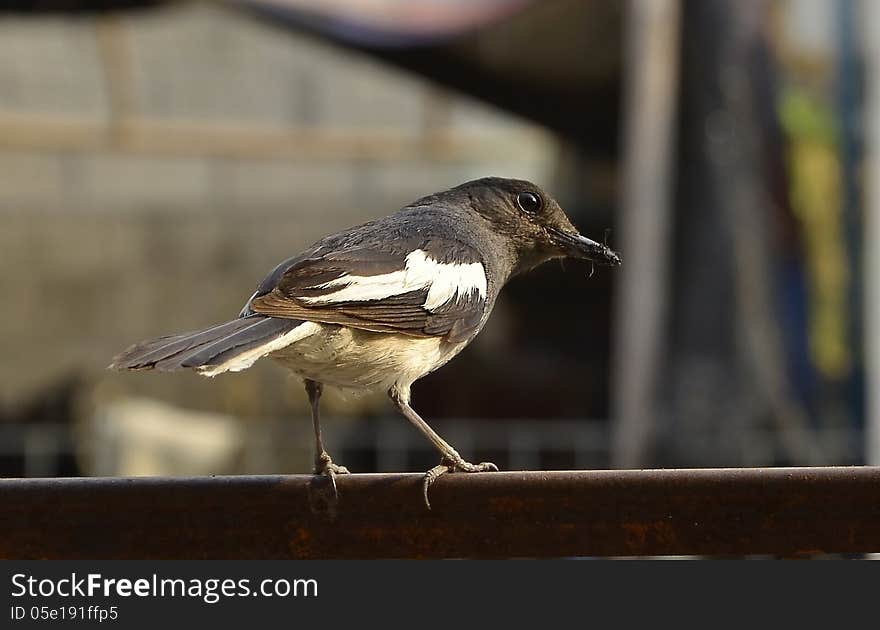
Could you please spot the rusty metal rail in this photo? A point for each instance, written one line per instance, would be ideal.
(778, 511)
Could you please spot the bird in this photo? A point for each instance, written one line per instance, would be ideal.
(380, 305)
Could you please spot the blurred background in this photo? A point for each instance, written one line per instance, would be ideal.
(157, 159)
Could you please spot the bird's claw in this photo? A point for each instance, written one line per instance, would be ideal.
(325, 466)
(448, 465)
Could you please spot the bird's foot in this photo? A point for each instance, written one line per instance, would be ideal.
(325, 466)
(450, 464)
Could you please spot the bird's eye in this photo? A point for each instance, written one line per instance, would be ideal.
(529, 202)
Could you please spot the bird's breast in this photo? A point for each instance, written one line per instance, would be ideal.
(358, 359)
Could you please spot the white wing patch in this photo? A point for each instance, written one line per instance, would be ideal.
(450, 280)
(444, 282)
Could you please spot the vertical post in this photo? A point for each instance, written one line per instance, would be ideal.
(871, 235)
(649, 115)
(115, 55)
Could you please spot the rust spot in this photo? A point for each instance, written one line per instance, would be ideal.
(641, 535)
(300, 540)
(637, 534)
(506, 504)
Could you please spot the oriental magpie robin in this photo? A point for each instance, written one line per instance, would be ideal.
(378, 306)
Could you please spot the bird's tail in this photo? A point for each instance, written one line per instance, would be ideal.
(232, 346)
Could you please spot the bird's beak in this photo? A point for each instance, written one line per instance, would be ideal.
(574, 245)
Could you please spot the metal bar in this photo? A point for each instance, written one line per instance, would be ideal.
(779, 511)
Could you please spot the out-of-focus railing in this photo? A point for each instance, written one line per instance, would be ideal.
(281, 445)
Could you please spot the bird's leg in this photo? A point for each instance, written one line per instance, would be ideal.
(323, 464)
(450, 460)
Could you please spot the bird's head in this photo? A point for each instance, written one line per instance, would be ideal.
(533, 222)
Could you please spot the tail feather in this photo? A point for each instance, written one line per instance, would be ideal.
(203, 348)
(256, 334)
(145, 354)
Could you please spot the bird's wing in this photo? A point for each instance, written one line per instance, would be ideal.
(384, 290)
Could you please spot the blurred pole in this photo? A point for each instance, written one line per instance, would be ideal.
(871, 39)
(850, 113)
(738, 144)
(115, 55)
(649, 115)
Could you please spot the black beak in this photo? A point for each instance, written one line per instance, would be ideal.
(574, 245)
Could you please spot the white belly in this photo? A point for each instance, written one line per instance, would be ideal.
(357, 359)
